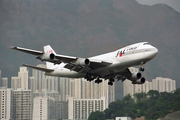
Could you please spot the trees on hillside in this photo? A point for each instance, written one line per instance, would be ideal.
(152, 105)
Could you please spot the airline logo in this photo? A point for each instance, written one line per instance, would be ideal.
(50, 51)
(122, 51)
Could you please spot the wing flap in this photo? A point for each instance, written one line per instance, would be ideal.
(38, 68)
(65, 58)
(76, 68)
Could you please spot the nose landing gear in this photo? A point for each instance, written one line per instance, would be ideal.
(142, 68)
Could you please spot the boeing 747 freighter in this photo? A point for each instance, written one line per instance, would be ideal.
(109, 66)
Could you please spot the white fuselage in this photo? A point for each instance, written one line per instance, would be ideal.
(131, 55)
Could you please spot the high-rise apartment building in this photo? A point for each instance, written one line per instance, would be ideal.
(41, 81)
(22, 80)
(30, 83)
(61, 108)
(164, 84)
(0, 78)
(39, 78)
(15, 83)
(23, 75)
(64, 88)
(82, 108)
(44, 108)
(47, 93)
(6, 103)
(22, 104)
(4, 82)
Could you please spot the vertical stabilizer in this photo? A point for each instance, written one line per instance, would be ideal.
(48, 49)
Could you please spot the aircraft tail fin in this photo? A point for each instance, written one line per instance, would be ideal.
(48, 49)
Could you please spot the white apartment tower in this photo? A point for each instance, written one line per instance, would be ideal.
(41, 81)
(164, 84)
(64, 88)
(82, 108)
(23, 75)
(0, 78)
(44, 108)
(5, 103)
(15, 83)
(4, 82)
(39, 78)
(22, 104)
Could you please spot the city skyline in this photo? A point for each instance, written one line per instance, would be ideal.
(66, 98)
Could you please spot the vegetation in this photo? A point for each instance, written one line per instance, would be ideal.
(152, 105)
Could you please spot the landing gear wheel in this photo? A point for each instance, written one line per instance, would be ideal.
(98, 81)
(141, 69)
(110, 83)
(111, 80)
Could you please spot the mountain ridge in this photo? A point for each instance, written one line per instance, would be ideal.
(87, 28)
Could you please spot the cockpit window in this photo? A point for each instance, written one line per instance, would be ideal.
(146, 44)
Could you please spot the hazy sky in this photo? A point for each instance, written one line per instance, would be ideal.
(172, 3)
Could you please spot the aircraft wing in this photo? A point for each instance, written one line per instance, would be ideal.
(39, 68)
(124, 74)
(29, 51)
(99, 63)
(45, 56)
(94, 64)
(73, 63)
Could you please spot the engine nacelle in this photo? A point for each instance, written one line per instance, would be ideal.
(135, 76)
(47, 56)
(139, 81)
(82, 62)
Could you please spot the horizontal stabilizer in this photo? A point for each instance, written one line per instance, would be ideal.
(39, 68)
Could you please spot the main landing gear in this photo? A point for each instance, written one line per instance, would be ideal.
(111, 80)
(89, 77)
(98, 80)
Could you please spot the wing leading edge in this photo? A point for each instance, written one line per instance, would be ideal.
(39, 68)
(29, 51)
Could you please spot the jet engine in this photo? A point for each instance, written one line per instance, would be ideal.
(46, 56)
(82, 62)
(139, 81)
(135, 76)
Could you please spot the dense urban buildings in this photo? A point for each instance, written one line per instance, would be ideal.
(39, 97)
(160, 84)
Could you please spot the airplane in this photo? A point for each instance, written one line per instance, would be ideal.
(109, 66)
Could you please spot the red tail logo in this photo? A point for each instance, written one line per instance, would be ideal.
(50, 51)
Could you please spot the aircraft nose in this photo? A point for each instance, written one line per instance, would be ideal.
(154, 51)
